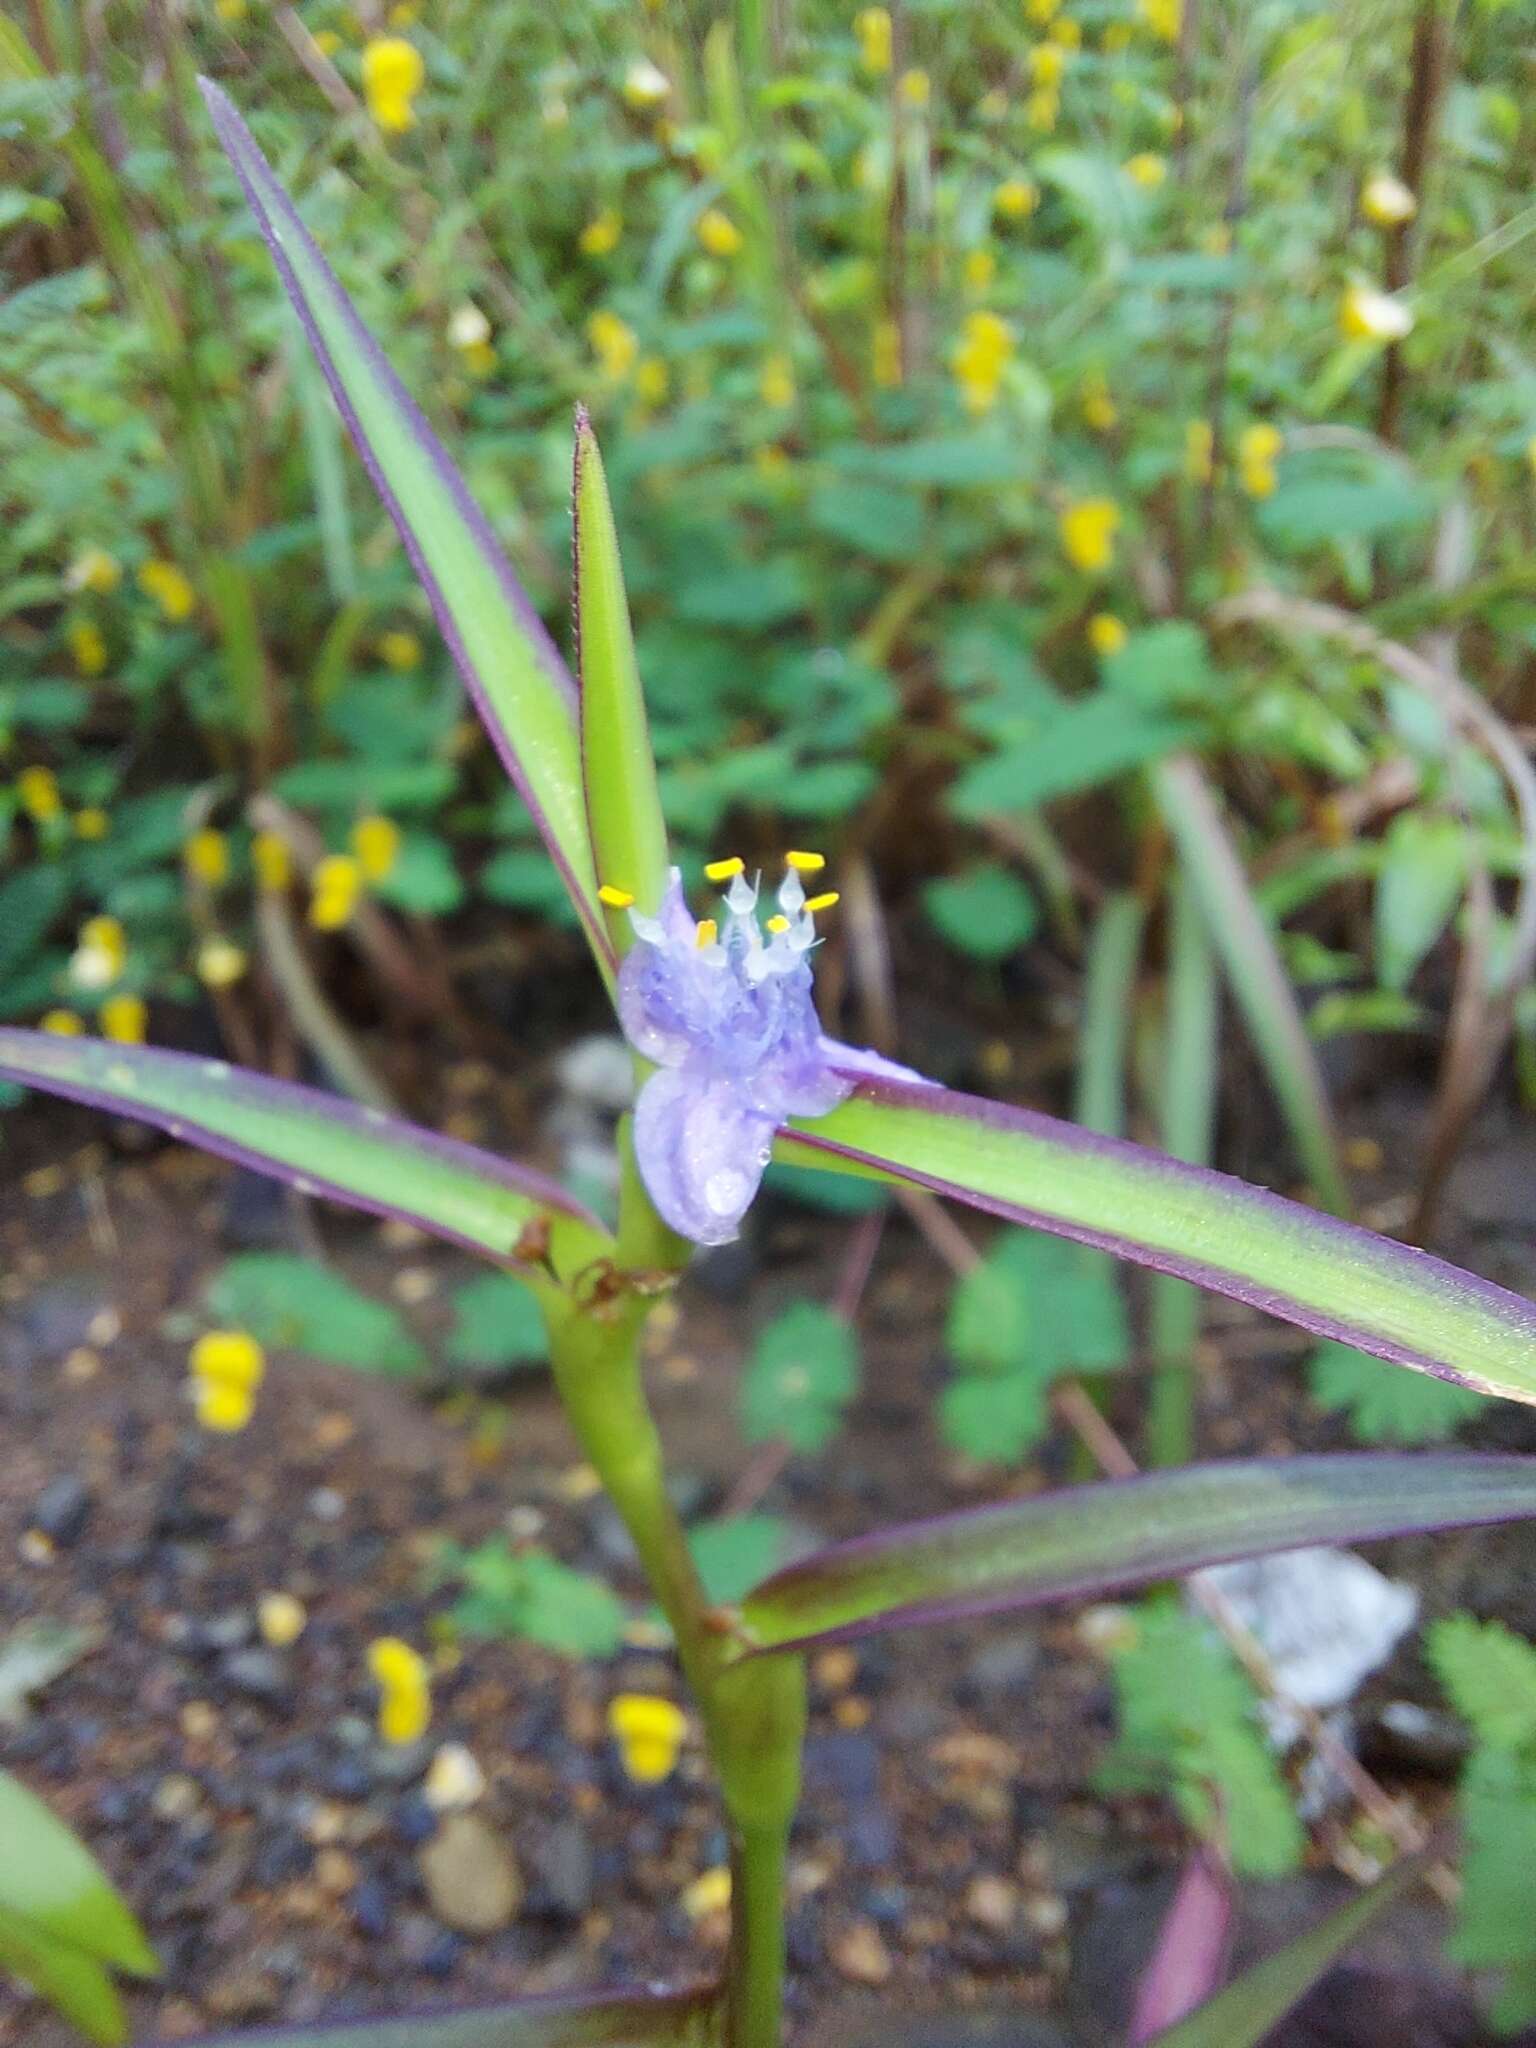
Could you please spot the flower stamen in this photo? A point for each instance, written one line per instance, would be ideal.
(805, 863)
(616, 899)
(724, 870)
(823, 902)
(707, 933)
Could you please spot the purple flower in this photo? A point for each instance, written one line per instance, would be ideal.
(728, 1017)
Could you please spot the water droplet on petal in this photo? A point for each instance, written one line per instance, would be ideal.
(725, 1191)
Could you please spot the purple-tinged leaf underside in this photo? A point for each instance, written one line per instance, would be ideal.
(634, 2019)
(1189, 1958)
(1087, 1540)
(319, 1143)
(1248, 2010)
(1276, 1255)
(520, 686)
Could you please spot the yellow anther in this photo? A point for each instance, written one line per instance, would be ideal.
(706, 933)
(723, 870)
(823, 902)
(777, 925)
(616, 899)
(805, 863)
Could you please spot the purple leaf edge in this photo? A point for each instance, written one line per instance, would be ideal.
(280, 1095)
(1165, 1563)
(266, 195)
(686, 2004)
(1516, 1313)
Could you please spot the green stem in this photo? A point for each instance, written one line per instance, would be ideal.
(755, 1980)
(1187, 1108)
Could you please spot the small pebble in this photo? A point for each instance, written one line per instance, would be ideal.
(454, 1779)
(281, 1619)
(61, 1510)
(860, 1955)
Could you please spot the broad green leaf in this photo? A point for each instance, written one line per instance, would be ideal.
(1309, 511)
(1387, 1407)
(318, 1142)
(734, 1551)
(530, 1594)
(803, 1372)
(423, 878)
(1423, 871)
(994, 1418)
(1190, 1729)
(71, 1980)
(986, 911)
(629, 834)
(873, 519)
(510, 666)
(1086, 743)
(622, 2019)
(1162, 666)
(496, 1322)
(1086, 1539)
(29, 903)
(49, 1878)
(1490, 1674)
(1245, 2013)
(296, 1304)
(1290, 1261)
(1498, 1819)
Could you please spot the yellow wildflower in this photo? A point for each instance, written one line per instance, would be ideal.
(230, 11)
(1163, 17)
(37, 791)
(124, 1018)
(644, 84)
(88, 647)
(1387, 201)
(92, 822)
(885, 358)
(1199, 442)
(1041, 12)
(980, 268)
(1117, 35)
(60, 1024)
(1366, 314)
(872, 26)
(393, 74)
(206, 854)
(1147, 170)
(653, 380)
(649, 1731)
(1099, 409)
(614, 343)
(376, 842)
(100, 955)
(1041, 109)
(405, 1690)
(400, 649)
(1047, 62)
(1258, 449)
(600, 236)
(718, 233)
(915, 87)
(227, 1367)
(94, 569)
(986, 343)
(1066, 34)
(220, 963)
(271, 860)
(709, 1893)
(1088, 531)
(327, 42)
(1106, 633)
(404, 13)
(467, 326)
(335, 886)
(170, 589)
(776, 386)
(282, 1619)
(1016, 198)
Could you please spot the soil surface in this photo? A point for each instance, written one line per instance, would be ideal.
(956, 1877)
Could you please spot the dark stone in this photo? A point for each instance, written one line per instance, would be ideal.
(256, 1212)
(348, 1778)
(257, 1674)
(372, 1909)
(280, 1859)
(414, 1821)
(1000, 1671)
(871, 1837)
(802, 1939)
(564, 1872)
(888, 1904)
(848, 1763)
(62, 1510)
(442, 1957)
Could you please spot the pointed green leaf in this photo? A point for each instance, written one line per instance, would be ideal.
(51, 1881)
(72, 1981)
(509, 664)
(1244, 2013)
(629, 834)
(1125, 1532)
(318, 1142)
(1290, 1261)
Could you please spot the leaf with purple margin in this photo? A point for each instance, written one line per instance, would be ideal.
(519, 684)
(1086, 1540)
(1249, 2009)
(318, 1142)
(632, 2019)
(1279, 1256)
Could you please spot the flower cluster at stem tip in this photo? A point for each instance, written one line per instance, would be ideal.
(723, 1008)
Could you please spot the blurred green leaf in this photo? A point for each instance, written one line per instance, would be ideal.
(986, 911)
(1384, 1405)
(1419, 883)
(296, 1304)
(496, 1322)
(803, 1372)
